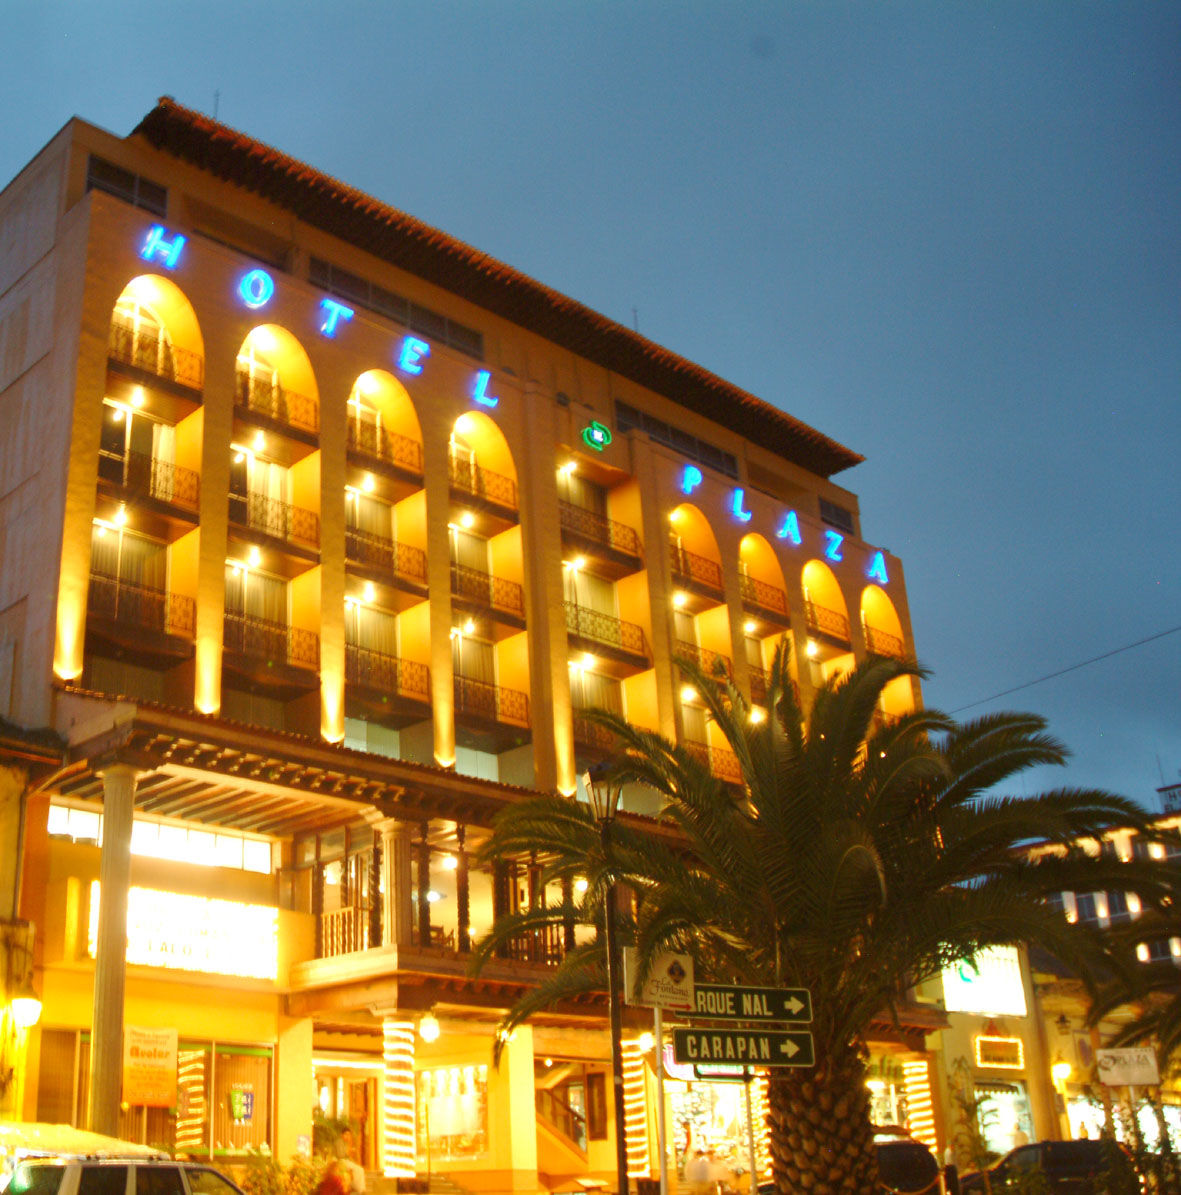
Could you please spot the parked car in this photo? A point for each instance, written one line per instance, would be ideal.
(904, 1164)
(41, 1159)
(1062, 1167)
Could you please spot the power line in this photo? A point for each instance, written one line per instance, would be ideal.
(1063, 671)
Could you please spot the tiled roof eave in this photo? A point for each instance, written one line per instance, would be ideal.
(408, 244)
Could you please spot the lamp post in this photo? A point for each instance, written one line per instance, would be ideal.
(604, 798)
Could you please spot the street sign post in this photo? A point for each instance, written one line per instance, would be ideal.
(724, 1002)
(746, 1047)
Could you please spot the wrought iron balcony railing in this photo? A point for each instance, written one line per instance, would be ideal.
(591, 734)
(882, 643)
(491, 702)
(721, 761)
(270, 642)
(389, 674)
(142, 607)
(281, 520)
(382, 445)
(694, 569)
(379, 552)
(270, 398)
(140, 474)
(827, 622)
(705, 659)
(474, 479)
(605, 629)
(760, 684)
(598, 528)
(486, 590)
(152, 352)
(766, 597)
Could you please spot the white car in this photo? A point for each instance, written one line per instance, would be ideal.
(41, 1159)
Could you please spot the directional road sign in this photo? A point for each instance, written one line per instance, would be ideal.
(720, 1002)
(747, 1047)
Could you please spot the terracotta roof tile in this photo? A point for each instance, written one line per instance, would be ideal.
(409, 244)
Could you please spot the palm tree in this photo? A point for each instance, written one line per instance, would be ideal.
(855, 860)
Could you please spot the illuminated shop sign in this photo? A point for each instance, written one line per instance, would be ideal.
(988, 984)
(1000, 1053)
(196, 933)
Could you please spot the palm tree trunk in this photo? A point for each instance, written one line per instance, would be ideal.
(821, 1139)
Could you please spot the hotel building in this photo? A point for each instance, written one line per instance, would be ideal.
(320, 529)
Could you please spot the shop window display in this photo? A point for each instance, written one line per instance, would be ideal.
(452, 1114)
(222, 1105)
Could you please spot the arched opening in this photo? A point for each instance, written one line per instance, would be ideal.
(154, 328)
(275, 379)
(884, 637)
(490, 655)
(829, 645)
(765, 614)
(382, 421)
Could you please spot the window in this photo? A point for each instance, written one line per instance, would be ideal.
(1084, 903)
(105, 176)
(596, 1105)
(580, 492)
(836, 516)
(354, 288)
(628, 417)
(1117, 907)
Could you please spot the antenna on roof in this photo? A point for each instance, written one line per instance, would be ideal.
(216, 101)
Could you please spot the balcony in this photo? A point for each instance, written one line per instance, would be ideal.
(705, 659)
(385, 448)
(488, 592)
(764, 599)
(492, 706)
(596, 739)
(152, 625)
(283, 408)
(827, 622)
(600, 631)
(271, 654)
(280, 520)
(603, 537)
(721, 762)
(482, 484)
(407, 565)
(696, 572)
(149, 356)
(882, 643)
(345, 931)
(545, 946)
(760, 684)
(140, 476)
(386, 688)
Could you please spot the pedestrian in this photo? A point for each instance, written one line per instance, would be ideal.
(353, 1172)
(334, 1180)
(697, 1173)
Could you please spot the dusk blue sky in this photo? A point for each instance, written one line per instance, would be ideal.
(946, 234)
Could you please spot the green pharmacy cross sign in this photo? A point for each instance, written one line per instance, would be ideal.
(596, 435)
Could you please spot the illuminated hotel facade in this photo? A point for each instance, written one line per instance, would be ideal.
(321, 531)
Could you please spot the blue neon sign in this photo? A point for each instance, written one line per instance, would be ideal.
(411, 354)
(157, 246)
(334, 312)
(877, 569)
(691, 478)
(480, 390)
(256, 289)
(832, 546)
(789, 529)
(743, 516)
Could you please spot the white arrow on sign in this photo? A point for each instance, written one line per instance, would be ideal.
(794, 1005)
(789, 1047)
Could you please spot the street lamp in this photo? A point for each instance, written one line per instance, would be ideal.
(604, 799)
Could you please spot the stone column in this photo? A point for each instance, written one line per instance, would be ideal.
(106, 1036)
